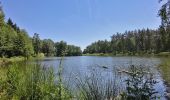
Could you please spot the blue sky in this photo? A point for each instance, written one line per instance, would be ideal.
(81, 22)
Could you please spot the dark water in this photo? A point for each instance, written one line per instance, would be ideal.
(105, 66)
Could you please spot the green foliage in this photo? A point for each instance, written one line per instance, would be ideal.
(36, 43)
(142, 41)
(31, 83)
(140, 85)
(98, 47)
(1, 16)
(13, 41)
(133, 42)
(48, 47)
(165, 25)
(23, 44)
(163, 14)
(73, 50)
(14, 26)
(16, 42)
(62, 49)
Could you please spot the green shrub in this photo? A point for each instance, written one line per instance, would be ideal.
(140, 85)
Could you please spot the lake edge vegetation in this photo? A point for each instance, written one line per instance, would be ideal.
(36, 82)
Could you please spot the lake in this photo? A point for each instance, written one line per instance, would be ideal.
(106, 67)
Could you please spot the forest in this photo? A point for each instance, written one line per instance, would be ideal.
(145, 41)
(139, 41)
(16, 42)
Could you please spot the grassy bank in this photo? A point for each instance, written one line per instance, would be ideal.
(4, 61)
(165, 69)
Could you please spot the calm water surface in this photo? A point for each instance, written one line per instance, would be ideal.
(105, 66)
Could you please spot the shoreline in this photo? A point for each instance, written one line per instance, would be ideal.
(162, 54)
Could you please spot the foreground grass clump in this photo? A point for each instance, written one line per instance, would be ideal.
(96, 87)
(31, 83)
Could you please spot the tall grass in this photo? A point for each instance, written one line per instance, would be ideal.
(36, 82)
(32, 83)
(96, 87)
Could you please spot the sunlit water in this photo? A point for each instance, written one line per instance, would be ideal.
(107, 67)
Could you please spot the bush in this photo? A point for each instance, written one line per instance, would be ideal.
(140, 84)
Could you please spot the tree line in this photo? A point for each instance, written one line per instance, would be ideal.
(16, 42)
(131, 42)
(51, 48)
(138, 41)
